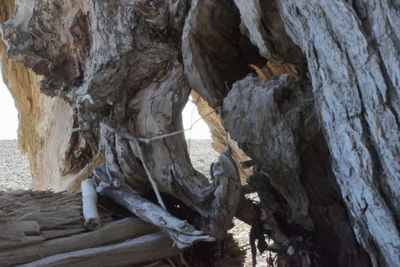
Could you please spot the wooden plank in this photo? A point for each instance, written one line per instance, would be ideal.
(27, 241)
(139, 250)
(29, 227)
(110, 233)
(11, 234)
(26, 227)
(51, 234)
(48, 209)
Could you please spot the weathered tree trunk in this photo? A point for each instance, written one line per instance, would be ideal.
(320, 123)
(58, 158)
(352, 52)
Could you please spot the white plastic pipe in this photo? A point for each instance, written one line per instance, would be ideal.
(89, 205)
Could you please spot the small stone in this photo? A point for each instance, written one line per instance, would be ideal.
(290, 251)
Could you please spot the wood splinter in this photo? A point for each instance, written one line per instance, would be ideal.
(89, 205)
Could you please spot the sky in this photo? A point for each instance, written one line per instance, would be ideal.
(190, 114)
(8, 114)
(9, 118)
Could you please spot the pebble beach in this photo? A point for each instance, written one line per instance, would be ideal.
(14, 167)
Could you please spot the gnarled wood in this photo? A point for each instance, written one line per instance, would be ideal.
(324, 144)
(279, 158)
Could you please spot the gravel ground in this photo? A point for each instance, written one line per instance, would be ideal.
(14, 167)
(15, 174)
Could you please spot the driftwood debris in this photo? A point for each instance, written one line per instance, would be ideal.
(113, 232)
(180, 231)
(54, 233)
(27, 207)
(138, 250)
(89, 205)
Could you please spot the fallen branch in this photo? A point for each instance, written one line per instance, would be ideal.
(180, 231)
(89, 205)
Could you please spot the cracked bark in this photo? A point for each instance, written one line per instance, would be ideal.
(355, 79)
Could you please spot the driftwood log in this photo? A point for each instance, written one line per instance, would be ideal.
(47, 229)
(308, 90)
(134, 251)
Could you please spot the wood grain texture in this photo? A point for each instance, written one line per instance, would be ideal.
(138, 250)
(114, 232)
(350, 49)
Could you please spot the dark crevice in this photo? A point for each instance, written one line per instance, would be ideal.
(279, 43)
(226, 52)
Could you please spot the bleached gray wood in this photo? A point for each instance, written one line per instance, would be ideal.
(272, 140)
(291, 163)
(89, 205)
(114, 232)
(145, 101)
(180, 231)
(227, 194)
(31, 210)
(352, 51)
(28, 227)
(11, 234)
(139, 250)
(51, 234)
(26, 241)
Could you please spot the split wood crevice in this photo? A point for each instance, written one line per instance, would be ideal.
(320, 123)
